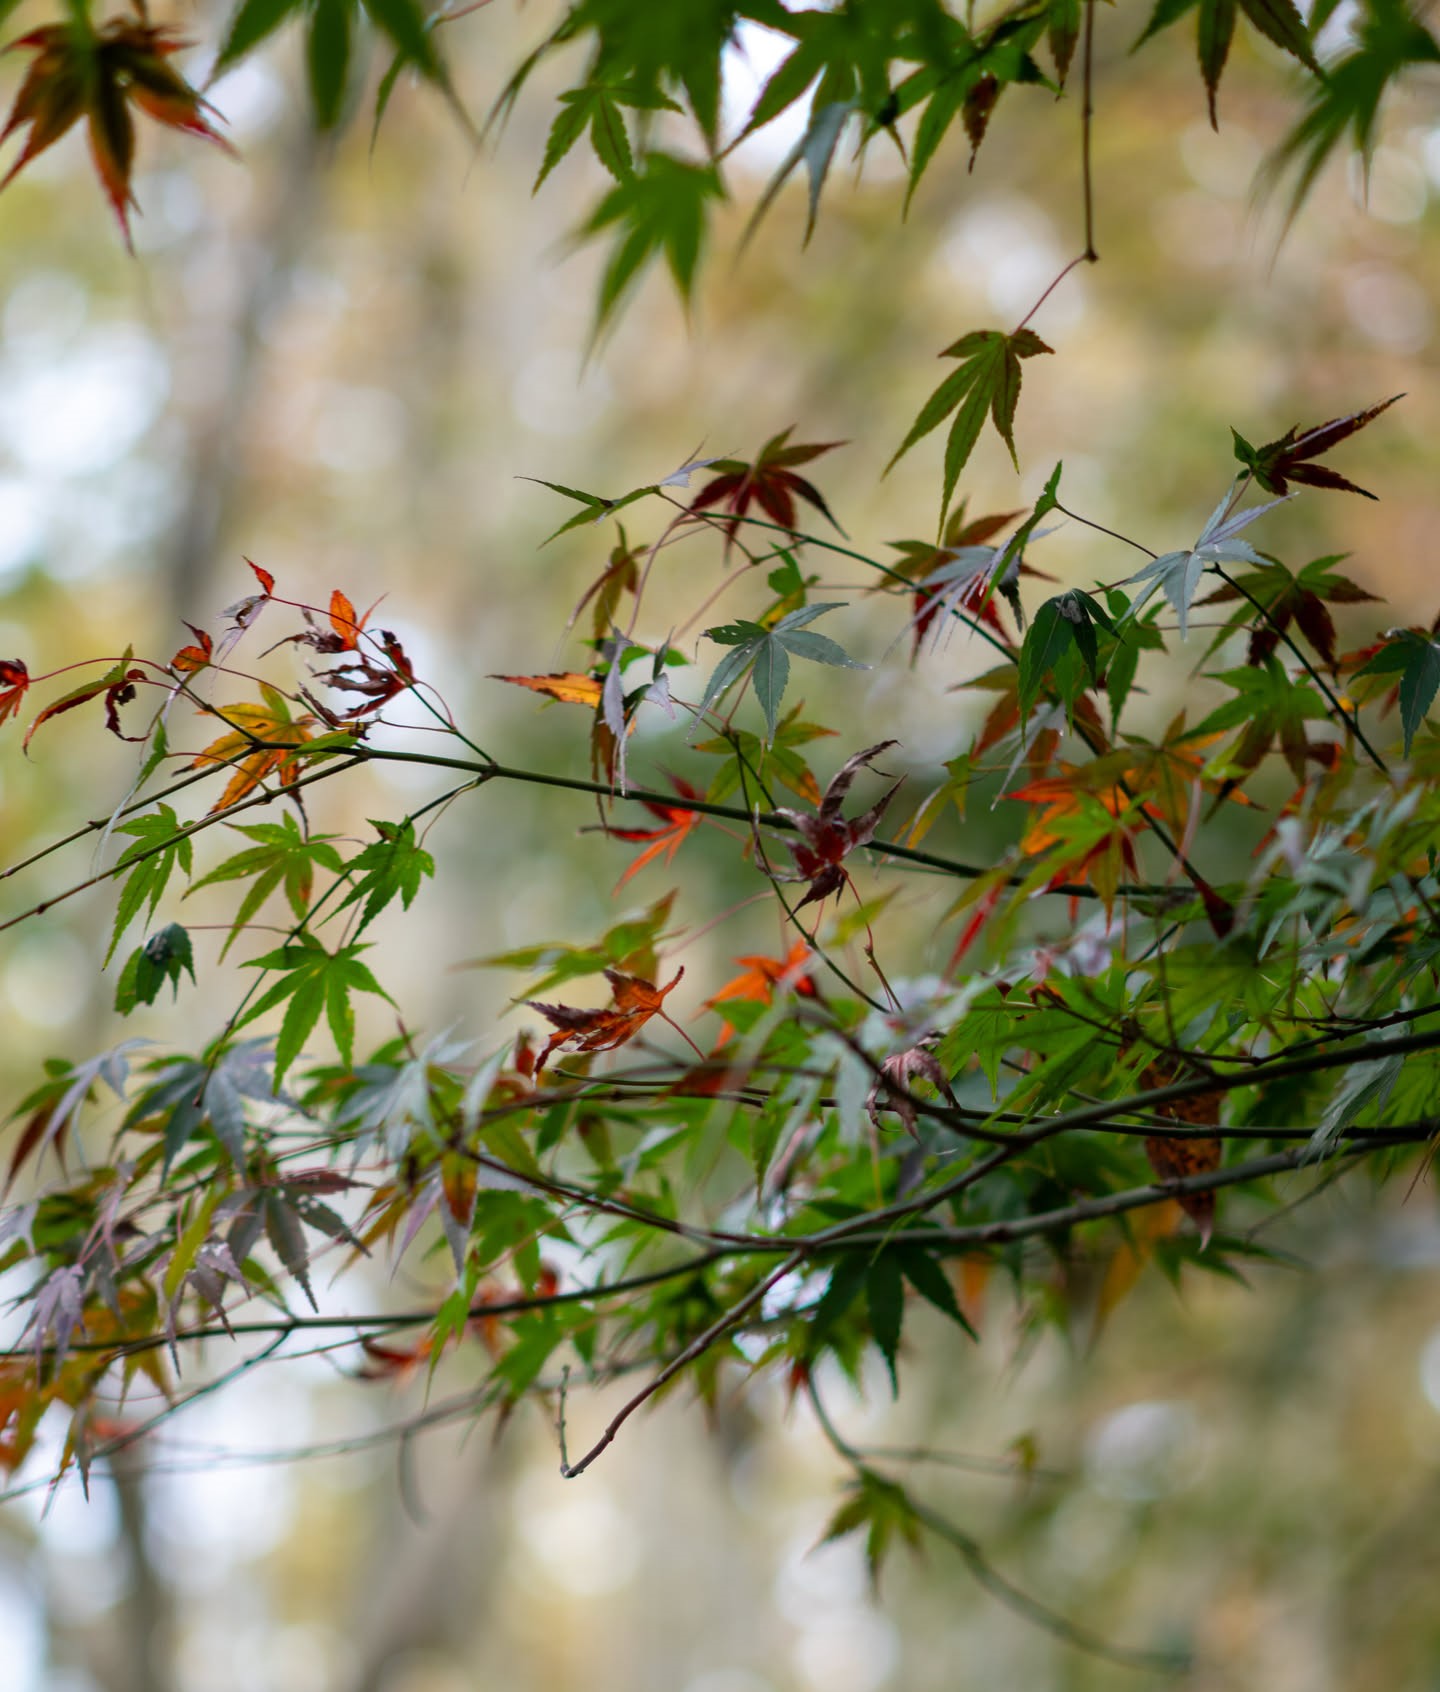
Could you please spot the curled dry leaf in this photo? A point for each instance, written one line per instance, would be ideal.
(636, 1001)
(827, 839)
(1172, 1160)
(892, 1090)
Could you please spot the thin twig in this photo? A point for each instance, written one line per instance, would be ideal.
(1087, 113)
(697, 1348)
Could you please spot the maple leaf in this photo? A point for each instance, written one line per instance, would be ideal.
(771, 482)
(1415, 655)
(1390, 43)
(662, 208)
(988, 380)
(892, 1088)
(677, 821)
(14, 680)
(827, 838)
(346, 626)
(1063, 626)
(118, 687)
(568, 686)
(78, 71)
(1087, 823)
(1278, 463)
(635, 1002)
(1172, 1160)
(263, 741)
(768, 651)
(760, 979)
(815, 150)
(621, 575)
(1269, 706)
(1171, 772)
(1286, 598)
(195, 656)
(1179, 573)
(955, 576)
(376, 677)
(1278, 20)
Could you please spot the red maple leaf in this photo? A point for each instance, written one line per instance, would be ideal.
(14, 680)
(770, 482)
(676, 823)
(78, 71)
(195, 656)
(827, 838)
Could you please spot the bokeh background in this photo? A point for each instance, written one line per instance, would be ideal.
(343, 362)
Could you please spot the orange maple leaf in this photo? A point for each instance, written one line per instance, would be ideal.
(759, 980)
(568, 686)
(195, 656)
(262, 742)
(636, 1001)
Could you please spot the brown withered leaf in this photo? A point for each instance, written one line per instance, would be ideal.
(81, 72)
(827, 838)
(1172, 1160)
(892, 1088)
(635, 1002)
(378, 673)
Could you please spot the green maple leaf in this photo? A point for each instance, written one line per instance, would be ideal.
(312, 980)
(660, 209)
(987, 381)
(768, 653)
(328, 43)
(1277, 20)
(1416, 658)
(281, 856)
(1390, 43)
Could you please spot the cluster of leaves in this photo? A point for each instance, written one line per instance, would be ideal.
(1107, 1025)
(894, 1135)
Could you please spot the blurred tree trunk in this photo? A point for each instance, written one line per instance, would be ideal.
(144, 1620)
